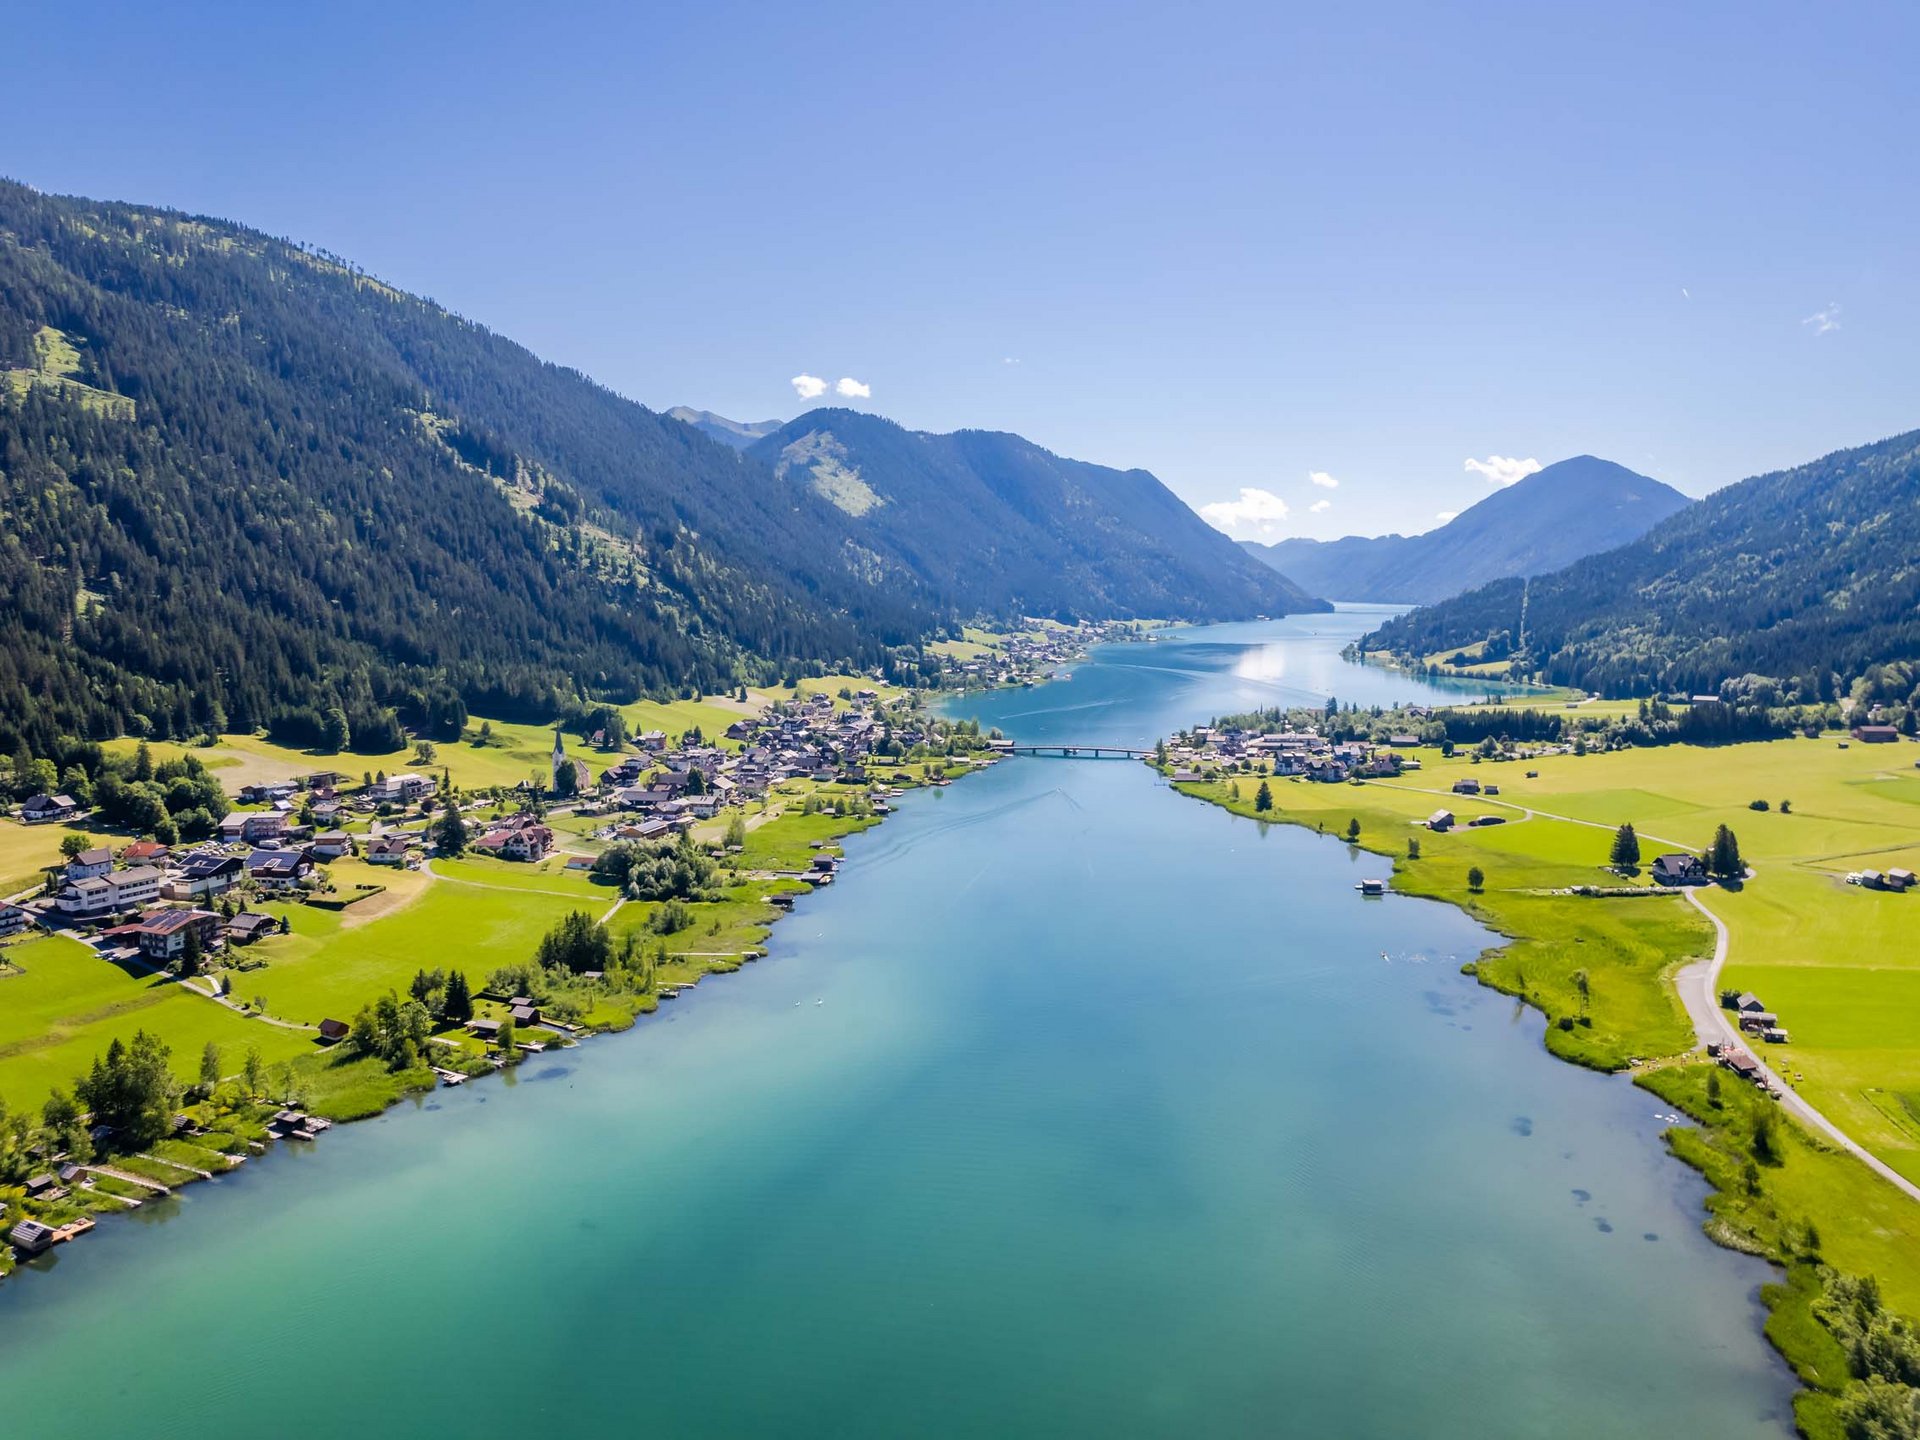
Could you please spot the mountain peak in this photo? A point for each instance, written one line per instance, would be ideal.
(737, 433)
(1540, 523)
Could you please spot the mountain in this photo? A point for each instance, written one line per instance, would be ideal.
(1802, 575)
(243, 484)
(991, 522)
(737, 434)
(1542, 523)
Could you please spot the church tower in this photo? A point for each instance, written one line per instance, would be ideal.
(559, 757)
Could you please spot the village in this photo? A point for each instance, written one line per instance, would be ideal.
(754, 809)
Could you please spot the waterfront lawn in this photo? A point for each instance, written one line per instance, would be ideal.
(549, 876)
(67, 1004)
(787, 842)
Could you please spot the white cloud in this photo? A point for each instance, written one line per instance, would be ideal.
(852, 389)
(1261, 509)
(1824, 320)
(1503, 469)
(1446, 515)
(1320, 507)
(1009, 359)
(809, 387)
(1323, 480)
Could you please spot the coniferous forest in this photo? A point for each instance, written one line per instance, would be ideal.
(242, 485)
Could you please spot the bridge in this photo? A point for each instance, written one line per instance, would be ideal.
(1076, 752)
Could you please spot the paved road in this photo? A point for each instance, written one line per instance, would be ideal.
(1699, 987)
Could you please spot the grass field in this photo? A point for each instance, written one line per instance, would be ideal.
(66, 1005)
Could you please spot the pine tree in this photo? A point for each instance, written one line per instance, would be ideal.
(1723, 856)
(450, 835)
(1263, 798)
(457, 1006)
(1626, 848)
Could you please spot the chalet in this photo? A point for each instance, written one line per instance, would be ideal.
(1872, 880)
(14, 919)
(332, 844)
(1900, 879)
(162, 934)
(325, 780)
(525, 1014)
(203, 873)
(146, 852)
(1742, 1064)
(40, 1187)
(485, 1029)
(653, 740)
(1679, 869)
(90, 863)
(334, 1031)
(278, 869)
(106, 894)
(249, 926)
(517, 841)
(1441, 820)
(1466, 787)
(1748, 1003)
(264, 794)
(388, 850)
(1875, 734)
(41, 808)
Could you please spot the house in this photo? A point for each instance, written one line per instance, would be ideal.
(253, 826)
(404, 788)
(1872, 880)
(334, 1031)
(525, 1013)
(39, 809)
(90, 863)
(1401, 742)
(204, 873)
(14, 919)
(1679, 869)
(1748, 1003)
(518, 840)
(1900, 879)
(1441, 820)
(278, 869)
(332, 845)
(386, 851)
(1742, 1064)
(114, 891)
(146, 852)
(1875, 734)
(249, 926)
(30, 1237)
(162, 934)
(1466, 787)
(485, 1029)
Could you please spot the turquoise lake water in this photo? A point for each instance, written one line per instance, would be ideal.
(1074, 1108)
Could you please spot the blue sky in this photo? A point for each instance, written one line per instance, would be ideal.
(1238, 245)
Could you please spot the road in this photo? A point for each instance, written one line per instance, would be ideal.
(1699, 987)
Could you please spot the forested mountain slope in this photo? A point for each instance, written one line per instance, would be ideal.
(242, 484)
(1808, 576)
(992, 522)
(1553, 517)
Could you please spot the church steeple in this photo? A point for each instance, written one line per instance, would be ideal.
(559, 756)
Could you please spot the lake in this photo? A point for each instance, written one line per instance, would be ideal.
(1074, 1108)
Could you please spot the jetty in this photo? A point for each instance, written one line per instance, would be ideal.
(1072, 752)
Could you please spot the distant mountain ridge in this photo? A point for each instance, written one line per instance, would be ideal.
(1547, 521)
(735, 433)
(1802, 575)
(992, 522)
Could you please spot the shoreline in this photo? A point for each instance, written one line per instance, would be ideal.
(153, 1173)
(1736, 1217)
